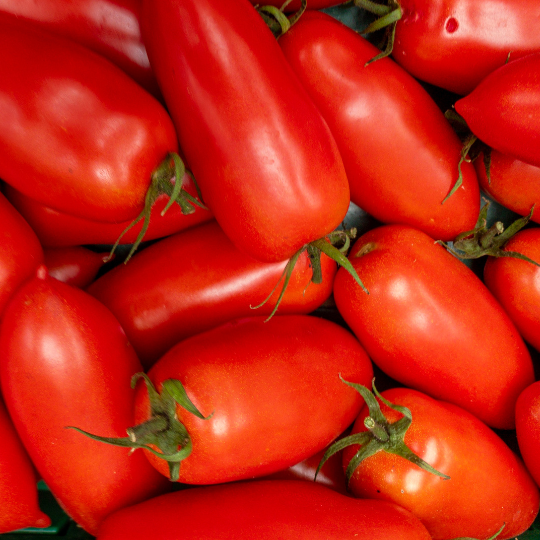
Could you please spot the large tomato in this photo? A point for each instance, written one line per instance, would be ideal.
(262, 509)
(264, 158)
(66, 361)
(488, 487)
(528, 428)
(399, 151)
(431, 324)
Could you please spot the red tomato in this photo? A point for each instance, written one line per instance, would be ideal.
(76, 133)
(58, 229)
(108, 27)
(454, 44)
(528, 428)
(264, 158)
(516, 283)
(400, 153)
(20, 251)
(431, 324)
(502, 111)
(272, 389)
(196, 280)
(66, 361)
(263, 509)
(488, 486)
(19, 507)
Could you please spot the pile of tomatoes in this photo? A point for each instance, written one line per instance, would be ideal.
(249, 283)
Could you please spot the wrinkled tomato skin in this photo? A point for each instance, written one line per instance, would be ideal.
(273, 389)
(67, 362)
(454, 44)
(516, 283)
(247, 510)
(430, 323)
(528, 428)
(174, 289)
(76, 132)
(108, 27)
(264, 158)
(19, 505)
(20, 251)
(489, 485)
(399, 151)
(502, 110)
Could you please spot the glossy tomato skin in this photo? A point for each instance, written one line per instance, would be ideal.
(195, 280)
(77, 133)
(264, 158)
(108, 27)
(489, 486)
(20, 251)
(431, 324)
(528, 428)
(274, 391)
(67, 362)
(454, 44)
(516, 284)
(263, 509)
(19, 506)
(502, 110)
(399, 151)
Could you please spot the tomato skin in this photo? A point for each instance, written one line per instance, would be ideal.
(264, 158)
(516, 285)
(431, 324)
(66, 362)
(488, 483)
(195, 280)
(400, 153)
(19, 506)
(502, 110)
(94, 155)
(247, 510)
(20, 251)
(528, 428)
(454, 44)
(274, 390)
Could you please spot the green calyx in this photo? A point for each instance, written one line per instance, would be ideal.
(162, 430)
(166, 179)
(381, 435)
(276, 19)
(488, 241)
(490, 538)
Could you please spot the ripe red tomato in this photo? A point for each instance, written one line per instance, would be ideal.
(195, 280)
(66, 361)
(488, 486)
(400, 153)
(502, 110)
(431, 324)
(263, 509)
(19, 506)
(528, 428)
(264, 158)
(516, 283)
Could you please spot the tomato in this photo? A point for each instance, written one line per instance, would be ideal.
(264, 158)
(502, 110)
(528, 428)
(20, 251)
(76, 133)
(19, 506)
(195, 280)
(431, 324)
(516, 284)
(263, 509)
(488, 486)
(109, 27)
(66, 361)
(400, 153)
